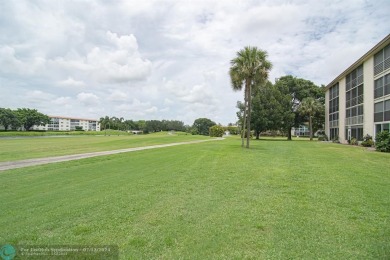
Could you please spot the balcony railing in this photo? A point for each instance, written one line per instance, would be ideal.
(334, 123)
(354, 120)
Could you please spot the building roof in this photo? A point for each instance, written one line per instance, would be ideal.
(69, 117)
(362, 59)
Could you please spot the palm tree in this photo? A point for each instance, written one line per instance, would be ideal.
(309, 106)
(250, 68)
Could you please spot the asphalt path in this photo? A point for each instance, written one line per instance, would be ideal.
(39, 161)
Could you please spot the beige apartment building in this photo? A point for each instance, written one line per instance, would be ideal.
(59, 123)
(357, 102)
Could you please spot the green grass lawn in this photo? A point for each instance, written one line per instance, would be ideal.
(213, 200)
(13, 149)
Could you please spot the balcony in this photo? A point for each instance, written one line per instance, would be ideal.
(334, 123)
(356, 120)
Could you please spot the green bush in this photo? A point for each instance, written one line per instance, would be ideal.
(194, 131)
(322, 136)
(367, 141)
(245, 134)
(336, 140)
(353, 141)
(382, 142)
(216, 131)
(233, 130)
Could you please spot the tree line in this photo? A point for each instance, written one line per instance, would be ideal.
(288, 103)
(146, 126)
(22, 117)
(201, 126)
(281, 106)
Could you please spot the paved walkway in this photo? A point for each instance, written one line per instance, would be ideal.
(33, 162)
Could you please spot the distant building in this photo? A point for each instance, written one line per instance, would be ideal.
(60, 123)
(302, 130)
(357, 102)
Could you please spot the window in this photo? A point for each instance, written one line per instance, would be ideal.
(378, 88)
(334, 106)
(382, 60)
(334, 133)
(386, 113)
(354, 97)
(386, 84)
(378, 112)
(382, 86)
(354, 132)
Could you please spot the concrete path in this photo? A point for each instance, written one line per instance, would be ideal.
(33, 162)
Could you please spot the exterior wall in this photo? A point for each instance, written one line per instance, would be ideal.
(364, 123)
(64, 124)
(368, 109)
(342, 110)
(327, 131)
(69, 124)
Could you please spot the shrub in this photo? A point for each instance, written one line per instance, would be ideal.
(336, 139)
(245, 134)
(353, 141)
(194, 131)
(234, 130)
(216, 131)
(367, 141)
(322, 136)
(382, 142)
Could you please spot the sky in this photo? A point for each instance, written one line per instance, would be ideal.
(145, 59)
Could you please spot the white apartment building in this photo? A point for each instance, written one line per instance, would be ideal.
(357, 102)
(59, 123)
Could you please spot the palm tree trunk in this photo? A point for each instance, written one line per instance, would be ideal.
(248, 136)
(244, 118)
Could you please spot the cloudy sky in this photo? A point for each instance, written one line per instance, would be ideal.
(145, 59)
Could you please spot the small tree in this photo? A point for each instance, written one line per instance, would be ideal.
(216, 131)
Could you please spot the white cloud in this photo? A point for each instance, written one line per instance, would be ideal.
(116, 62)
(71, 82)
(11, 64)
(136, 108)
(88, 99)
(38, 96)
(117, 95)
(151, 110)
(62, 101)
(168, 101)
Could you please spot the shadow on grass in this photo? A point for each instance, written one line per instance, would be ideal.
(272, 140)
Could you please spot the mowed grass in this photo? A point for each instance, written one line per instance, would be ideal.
(13, 149)
(213, 200)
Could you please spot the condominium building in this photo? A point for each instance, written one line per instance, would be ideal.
(357, 102)
(59, 123)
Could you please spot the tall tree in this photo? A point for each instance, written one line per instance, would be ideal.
(266, 109)
(309, 106)
(293, 91)
(8, 118)
(202, 126)
(30, 117)
(250, 68)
